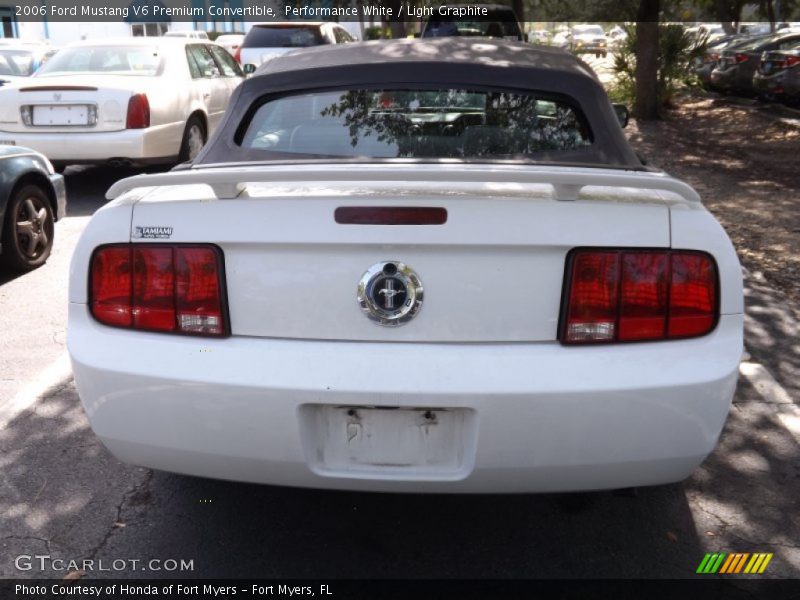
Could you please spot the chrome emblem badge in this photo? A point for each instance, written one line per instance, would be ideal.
(390, 293)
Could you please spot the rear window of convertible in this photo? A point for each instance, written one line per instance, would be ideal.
(444, 123)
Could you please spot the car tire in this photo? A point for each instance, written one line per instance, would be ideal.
(28, 230)
(194, 138)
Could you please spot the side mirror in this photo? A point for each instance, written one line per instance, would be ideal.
(248, 69)
(622, 114)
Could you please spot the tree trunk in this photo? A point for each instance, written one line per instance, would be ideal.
(771, 16)
(398, 28)
(729, 13)
(519, 10)
(647, 101)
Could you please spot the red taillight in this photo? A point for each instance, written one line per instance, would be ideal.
(633, 295)
(238, 54)
(593, 297)
(138, 112)
(791, 61)
(643, 296)
(740, 58)
(111, 286)
(692, 295)
(175, 289)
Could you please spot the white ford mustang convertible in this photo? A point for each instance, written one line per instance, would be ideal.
(410, 266)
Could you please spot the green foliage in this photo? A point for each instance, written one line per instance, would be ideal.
(586, 10)
(377, 33)
(677, 50)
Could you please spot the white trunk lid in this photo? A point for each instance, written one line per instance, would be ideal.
(64, 104)
(493, 272)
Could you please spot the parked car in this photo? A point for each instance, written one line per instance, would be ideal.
(453, 274)
(20, 61)
(561, 37)
(737, 66)
(540, 36)
(616, 36)
(708, 62)
(778, 75)
(589, 39)
(131, 101)
(497, 22)
(230, 41)
(265, 41)
(191, 34)
(710, 32)
(32, 198)
(754, 29)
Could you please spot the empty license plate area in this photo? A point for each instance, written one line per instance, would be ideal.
(389, 443)
(65, 114)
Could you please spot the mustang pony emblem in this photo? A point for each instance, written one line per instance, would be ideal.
(390, 293)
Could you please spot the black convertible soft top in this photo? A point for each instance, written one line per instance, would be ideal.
(464, 63)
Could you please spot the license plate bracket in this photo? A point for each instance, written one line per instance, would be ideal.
(69, 115)
(389, 442)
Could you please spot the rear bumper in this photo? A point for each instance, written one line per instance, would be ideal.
(541, 417)
(724, 80)
(703, 73)
(783, 84)
(140, 146)
(591, 49)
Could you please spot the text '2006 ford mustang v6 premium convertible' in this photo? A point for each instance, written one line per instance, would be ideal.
(410, 266)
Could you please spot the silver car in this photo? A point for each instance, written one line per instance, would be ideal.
(268, 40)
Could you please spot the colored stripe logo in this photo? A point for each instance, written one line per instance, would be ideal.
(733, 563)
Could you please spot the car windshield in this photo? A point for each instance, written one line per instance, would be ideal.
(121, 60)
(280, 36)
(587, 30)
(503, 25)
(18, 63)
(416, 123)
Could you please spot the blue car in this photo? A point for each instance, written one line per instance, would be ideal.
(32, 198)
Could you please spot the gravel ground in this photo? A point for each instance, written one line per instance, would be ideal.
(744, 163)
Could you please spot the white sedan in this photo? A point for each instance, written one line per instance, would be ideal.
(132, 101)
(411, 265)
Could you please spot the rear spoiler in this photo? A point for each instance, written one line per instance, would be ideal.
(567, 182)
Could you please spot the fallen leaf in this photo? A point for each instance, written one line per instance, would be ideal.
(672, 536)
(73, 575)
(711, 533)
(119, 525)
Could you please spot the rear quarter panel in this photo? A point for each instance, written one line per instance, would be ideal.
(694, 228)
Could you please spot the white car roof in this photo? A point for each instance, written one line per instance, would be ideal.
(138, 41)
